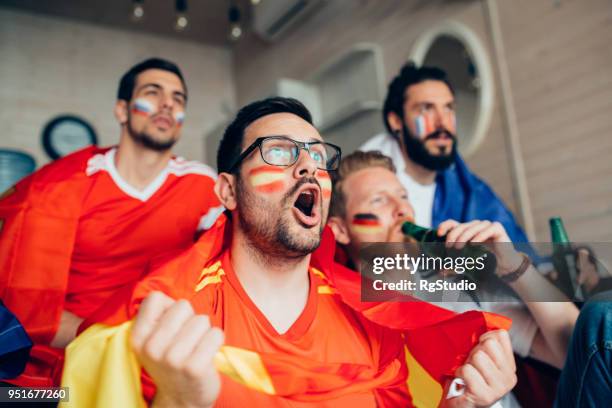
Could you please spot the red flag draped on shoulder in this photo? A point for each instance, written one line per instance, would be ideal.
(38, 224)
(438, 338)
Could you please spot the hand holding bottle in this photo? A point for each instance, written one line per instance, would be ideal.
(477, 231)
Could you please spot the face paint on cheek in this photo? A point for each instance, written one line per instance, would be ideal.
(179, 117)
(143, 107)
(424, 126)
(325, 182)
(267, 179)
(366, 223)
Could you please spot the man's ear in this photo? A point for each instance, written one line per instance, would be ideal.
(394, 121)
(121, 111)
(340, 230)
(225, 189)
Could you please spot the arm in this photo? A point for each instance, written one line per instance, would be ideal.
(555, 320)
(177, 347)
(67, 330)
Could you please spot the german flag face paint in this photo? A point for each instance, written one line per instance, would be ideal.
(267, 179)
(366, 224)
(325, 183)
(143, 107)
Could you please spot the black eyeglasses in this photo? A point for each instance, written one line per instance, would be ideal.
(283, 151)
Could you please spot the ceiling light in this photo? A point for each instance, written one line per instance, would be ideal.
(181, 21)
(235, 27)
(137, 10)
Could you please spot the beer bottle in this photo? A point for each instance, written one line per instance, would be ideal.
(421, 234)
(437, 248)
(564, 260)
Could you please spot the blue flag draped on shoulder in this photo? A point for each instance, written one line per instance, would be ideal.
(462, 196)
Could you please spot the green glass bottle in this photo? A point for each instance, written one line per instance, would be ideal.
(421, 234)
(564, 260)
(436, 248)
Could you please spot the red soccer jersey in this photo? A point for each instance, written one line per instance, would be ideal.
(120, 229)
(328, 340)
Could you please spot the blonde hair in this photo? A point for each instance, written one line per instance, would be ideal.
(350, 164)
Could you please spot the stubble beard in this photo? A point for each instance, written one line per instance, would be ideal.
(418, 153)
(148, 141)
(271, 236)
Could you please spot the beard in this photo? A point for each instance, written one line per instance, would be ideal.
(418, 153)
(269, 234)
(147, 140)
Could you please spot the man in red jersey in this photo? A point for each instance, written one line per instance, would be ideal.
(81, 228)
(261, 282)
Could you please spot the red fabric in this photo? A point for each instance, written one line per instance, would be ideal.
(440, 339)
(71, 238)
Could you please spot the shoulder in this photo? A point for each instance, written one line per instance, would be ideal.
(383, 142)
(181, 167)
(71, 165)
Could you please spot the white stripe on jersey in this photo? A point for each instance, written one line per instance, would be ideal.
(208, 219)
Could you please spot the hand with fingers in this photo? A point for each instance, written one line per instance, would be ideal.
(487, 232)
(176, 347)
(587, 269)
(489, 373)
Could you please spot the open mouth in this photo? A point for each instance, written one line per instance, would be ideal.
(305, 202)
(305, 206)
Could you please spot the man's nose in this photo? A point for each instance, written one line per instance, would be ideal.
(305, 165)
(403, 209)
(167, 102)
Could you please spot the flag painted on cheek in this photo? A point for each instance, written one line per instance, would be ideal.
(267, 179)
(179, 117)
(143, 107)
(366, 224)
(424, 126)
(325, 183)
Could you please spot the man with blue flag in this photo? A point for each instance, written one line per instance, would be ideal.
(419, 114)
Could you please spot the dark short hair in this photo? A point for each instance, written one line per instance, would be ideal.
(231, 144)
(128, 80)
(354, 162)
(409, 75)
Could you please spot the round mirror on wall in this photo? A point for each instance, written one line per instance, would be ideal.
(458, 51)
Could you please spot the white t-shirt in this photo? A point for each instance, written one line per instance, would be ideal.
(421, 196)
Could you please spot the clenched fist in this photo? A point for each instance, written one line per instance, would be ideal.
(489, 372)
(176, 347)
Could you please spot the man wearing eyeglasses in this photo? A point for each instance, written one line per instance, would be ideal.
(255, 283)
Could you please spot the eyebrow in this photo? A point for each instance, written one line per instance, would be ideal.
(311, 140)
(157, 86)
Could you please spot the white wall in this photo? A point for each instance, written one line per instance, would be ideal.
(50, 66)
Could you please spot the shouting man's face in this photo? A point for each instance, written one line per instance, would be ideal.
(282, 209)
